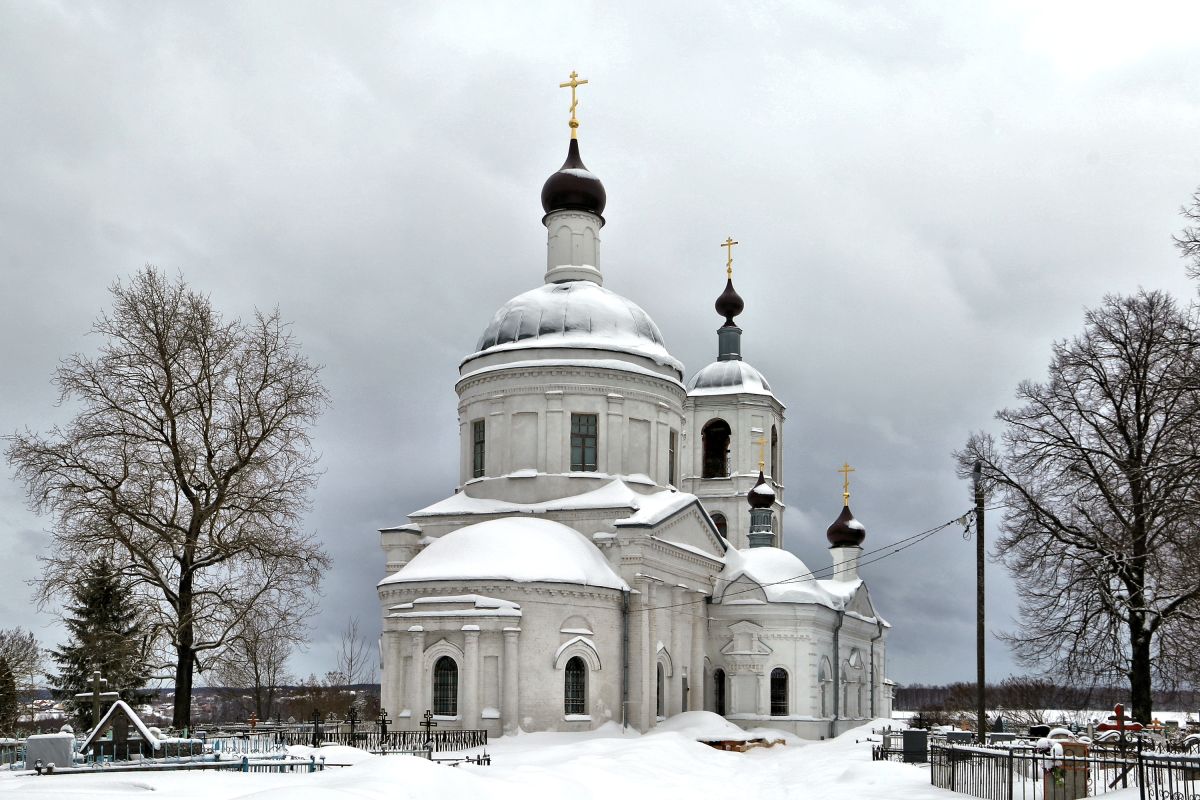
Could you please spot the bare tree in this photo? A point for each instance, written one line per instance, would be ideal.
(354, 660)
(24, 657)
(189, 461)
(256, 656)
(1188, 241)
(1099, 472)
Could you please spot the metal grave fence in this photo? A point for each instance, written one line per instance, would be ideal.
(440, 741)
(1022, 773)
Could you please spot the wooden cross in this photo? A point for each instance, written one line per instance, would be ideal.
(97, 694)
(383, 721)
(845, 472)
(728, 245)
(1119, 716)
(573, 84)
(253, 721)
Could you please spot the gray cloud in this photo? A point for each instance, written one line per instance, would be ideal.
(926, 197)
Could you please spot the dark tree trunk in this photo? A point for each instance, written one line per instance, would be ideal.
(182, 715)
(185, 656)
(1141, 692)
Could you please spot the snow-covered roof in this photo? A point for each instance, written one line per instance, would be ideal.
(614, 494)
(728, 377)
(519, 548)
(123, 707)
(784, 578)
(574, 314)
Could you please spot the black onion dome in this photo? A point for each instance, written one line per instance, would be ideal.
(730, 303)
(846, 531)
(762, 495)
(573, 187)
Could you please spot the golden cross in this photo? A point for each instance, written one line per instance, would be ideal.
(761, 441)
(845, 471)
(728, 245)
(573, 84)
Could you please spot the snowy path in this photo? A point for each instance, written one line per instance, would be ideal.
(602, 764)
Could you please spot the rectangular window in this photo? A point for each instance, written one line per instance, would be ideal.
(672, 448)
(583, 442)
(478, 432)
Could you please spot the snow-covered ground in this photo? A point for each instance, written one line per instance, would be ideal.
(602, 764)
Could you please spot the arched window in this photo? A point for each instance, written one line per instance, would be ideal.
(662, 698)
(719, 691)
(779, 692)
(774, 454)
(445, 687)
(575, 687)
(716, 435)
(722, 525)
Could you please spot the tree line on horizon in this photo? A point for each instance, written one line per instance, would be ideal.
(1022, 694)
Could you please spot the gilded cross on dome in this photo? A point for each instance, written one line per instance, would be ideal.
(728, 245)
(573, 84)
(845, 472)
(761, 441)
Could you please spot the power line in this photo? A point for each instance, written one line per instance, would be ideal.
(879, 555)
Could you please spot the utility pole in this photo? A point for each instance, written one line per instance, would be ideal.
(980, 699)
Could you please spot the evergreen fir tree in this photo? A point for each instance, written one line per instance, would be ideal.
(8, 700)
(105, 634)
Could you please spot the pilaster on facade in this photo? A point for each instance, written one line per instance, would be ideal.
(510, 713)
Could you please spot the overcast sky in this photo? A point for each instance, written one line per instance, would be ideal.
(926, 196)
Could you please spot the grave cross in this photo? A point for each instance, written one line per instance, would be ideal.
(383, 722)
(352, 718)
(253, 721)
(316, 723)
(96, 694)
(427, 725)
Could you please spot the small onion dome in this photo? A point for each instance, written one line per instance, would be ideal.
(846, 531)
(729, 304)
(573, 187)
(762, 495)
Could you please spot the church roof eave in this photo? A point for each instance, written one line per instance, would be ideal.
(667, 515)
(612, 364)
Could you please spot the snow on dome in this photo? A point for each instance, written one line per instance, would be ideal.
(516, 548)
(728, 377)
(574, 314)
(774, 570)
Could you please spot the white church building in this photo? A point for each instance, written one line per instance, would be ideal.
(613, 551)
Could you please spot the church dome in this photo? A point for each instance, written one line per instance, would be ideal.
(762, 495)
(729, 304)
(574, 187)
(781, 575)
(517, 548)
(846, 531)
(574, 314)
(728, 377)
